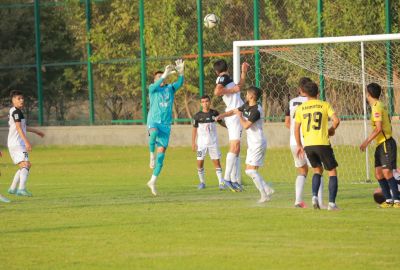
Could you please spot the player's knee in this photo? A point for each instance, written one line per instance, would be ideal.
(387, 174)
(250, 172)
(160, 158)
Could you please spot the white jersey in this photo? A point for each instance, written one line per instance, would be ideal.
(291, 111)
(255, 133)
(15, 115)
(232, 101)
(206, 128)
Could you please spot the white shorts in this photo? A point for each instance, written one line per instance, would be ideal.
(212, 150)
(299, 162)
(18, 154)
(255, 156)
(234, 128)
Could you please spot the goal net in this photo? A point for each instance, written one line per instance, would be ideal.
(342, 67)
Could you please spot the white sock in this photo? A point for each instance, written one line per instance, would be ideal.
(230, 162)
(200, 172)
(218, 171)
(300, 180)
(15, 180)
(258, 181)
(24, 173)
(238, 170)
(153, 180)
(152, 155)
(234, 171)
(320, 192)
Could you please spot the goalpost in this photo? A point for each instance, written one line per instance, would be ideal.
(342, 66)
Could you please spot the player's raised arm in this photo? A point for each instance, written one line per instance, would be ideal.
(160, 76)
(243, 74)
(180, 68)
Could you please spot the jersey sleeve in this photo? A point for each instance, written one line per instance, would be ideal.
(376, 114)
(297, 114)
(224, 80)
(241, 108)
(330, 110)
(254, 116)
(195, 121)
(17, 116)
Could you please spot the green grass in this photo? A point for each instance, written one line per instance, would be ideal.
(92, 210)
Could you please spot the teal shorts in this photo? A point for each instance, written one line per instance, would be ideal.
(164, 131)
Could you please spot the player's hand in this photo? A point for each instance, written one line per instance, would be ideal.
(300, 152)
(218, 118)
(235, 89)
(41, 134)
(170, 69)
(364, 145)
(245, 67)
(331, 131)
(28, 146)
(180, 66)
(194, 147)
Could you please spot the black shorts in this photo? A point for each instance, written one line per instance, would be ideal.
(319, 155)
(386, 155)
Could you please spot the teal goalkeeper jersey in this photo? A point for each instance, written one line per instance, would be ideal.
(161, 101)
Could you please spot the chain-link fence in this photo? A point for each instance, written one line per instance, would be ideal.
(82, 62)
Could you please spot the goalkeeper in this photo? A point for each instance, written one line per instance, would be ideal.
(160, 117)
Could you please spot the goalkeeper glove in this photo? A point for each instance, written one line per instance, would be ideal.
(180, 66)
(170, 69)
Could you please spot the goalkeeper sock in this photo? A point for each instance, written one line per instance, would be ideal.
(159, 163)
(393, 187)
(152, 140)
(200, 172)
(316, 182)
(24, 173)
(218, 171)
(15, 180)
(385, 189)
(230, 162)
(333, 188)
(300, 180)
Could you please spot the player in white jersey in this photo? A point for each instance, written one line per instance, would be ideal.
(302, 163)
(251, 118)
(230, 93)
(205, 139)
(19, 145)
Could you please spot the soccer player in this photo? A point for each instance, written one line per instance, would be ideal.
(386, 148)
(160, 117)
(230, 93)
(250, 117)
(378, 194)
(205, 134)
(19, 145)
(313, 117)
(301, 164)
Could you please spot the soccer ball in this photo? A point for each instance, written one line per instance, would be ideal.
(378, 196)
(211, 20)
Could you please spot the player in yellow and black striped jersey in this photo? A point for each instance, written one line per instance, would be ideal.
(313, 118)
(386, 148)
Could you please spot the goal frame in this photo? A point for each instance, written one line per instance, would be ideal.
(237, 45)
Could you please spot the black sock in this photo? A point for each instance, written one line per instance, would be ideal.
(385, 188)
(316, 182)
(333, 188)
(393, 186)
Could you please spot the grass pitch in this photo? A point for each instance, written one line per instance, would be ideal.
(92, 210)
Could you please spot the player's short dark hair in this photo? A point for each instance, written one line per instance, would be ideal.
(205, 97)
(303, 81)
(15, 93)
(158, 72)
(220, 66)
(255, 90)
(311, 89)
(374, 90)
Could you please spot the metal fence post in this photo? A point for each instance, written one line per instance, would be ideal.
(321, 50)
(200, 54)
(256, 11)
(389, 64)
(89, 64)
(38, 53)
(143, 69)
